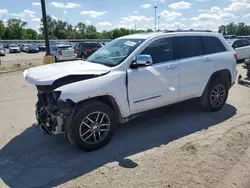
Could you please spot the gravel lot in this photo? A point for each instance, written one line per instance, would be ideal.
(177, 146)
(9, 59)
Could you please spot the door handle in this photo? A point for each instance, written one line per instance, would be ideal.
(172, 66)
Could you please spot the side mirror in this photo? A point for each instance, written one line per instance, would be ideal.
(142, 60)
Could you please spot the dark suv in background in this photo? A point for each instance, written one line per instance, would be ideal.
(85, 49)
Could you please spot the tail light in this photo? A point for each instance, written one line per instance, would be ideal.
(60, 52)
(88, 49)
(236, 56)
(75, 51)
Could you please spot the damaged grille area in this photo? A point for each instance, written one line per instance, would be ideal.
(44, 118)
(51, 113)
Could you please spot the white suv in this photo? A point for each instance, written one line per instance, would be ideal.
(132, 74)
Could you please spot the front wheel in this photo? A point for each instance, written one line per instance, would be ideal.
(93, 125)
(215, 96)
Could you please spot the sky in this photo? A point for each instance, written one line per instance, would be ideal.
(111, 14)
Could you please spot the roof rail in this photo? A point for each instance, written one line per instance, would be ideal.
(190, 30)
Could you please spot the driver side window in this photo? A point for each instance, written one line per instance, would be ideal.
(160, 50)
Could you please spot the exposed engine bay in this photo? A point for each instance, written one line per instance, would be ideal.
(51, 113)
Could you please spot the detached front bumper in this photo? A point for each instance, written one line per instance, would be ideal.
(52, 115)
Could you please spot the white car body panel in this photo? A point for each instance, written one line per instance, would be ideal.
(47, 74)
(191, 77)
(173, 81)
(153, 86)
(112, 84)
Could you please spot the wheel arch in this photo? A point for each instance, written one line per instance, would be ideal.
(107, 99)
(224, 74)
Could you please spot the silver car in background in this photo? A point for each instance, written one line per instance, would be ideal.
(2, 51)
(14, 48)
(63, 52)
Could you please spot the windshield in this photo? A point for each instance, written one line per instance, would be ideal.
(13, 45)
(115, 52)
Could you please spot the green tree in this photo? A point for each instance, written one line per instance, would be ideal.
(241, 29)
(90, 29)
(14, 29)
(51, 27)
(231, 28)
(2, 29)
(81, 27)
(222, 29)
(29, 34)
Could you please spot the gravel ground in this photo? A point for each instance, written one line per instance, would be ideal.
(176, 147)
(9, 59)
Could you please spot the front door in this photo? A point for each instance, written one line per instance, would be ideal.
(155, 85)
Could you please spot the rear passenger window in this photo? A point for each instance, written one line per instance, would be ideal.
(212, 45)
(188, 46)
(65, 47)
(160, 50)
(238, 44)
(245, 42)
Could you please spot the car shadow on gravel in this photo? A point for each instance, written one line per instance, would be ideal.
(34, 160)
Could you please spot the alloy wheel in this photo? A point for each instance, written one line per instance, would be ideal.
(94, 128)
(217, 95)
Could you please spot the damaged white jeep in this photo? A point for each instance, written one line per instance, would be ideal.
(87, 99)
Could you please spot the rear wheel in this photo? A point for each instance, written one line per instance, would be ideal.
(215, 95)
(93, 125)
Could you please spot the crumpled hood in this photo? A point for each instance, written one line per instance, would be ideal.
(47, 74)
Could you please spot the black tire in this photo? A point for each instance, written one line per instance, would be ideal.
(206, 99)
(83, 111)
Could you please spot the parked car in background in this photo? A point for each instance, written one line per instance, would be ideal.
(41, 47)
(241, 46)
(14, 48)
(132, 74)
(24, 47)
(85, 49)
(63, 52)
(2, 51)
(32, 48)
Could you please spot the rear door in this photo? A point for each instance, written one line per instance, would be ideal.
(216, 57)
(189, 51)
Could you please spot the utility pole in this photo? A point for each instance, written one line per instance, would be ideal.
(45, 27)
(159, 23)
(155, 7)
